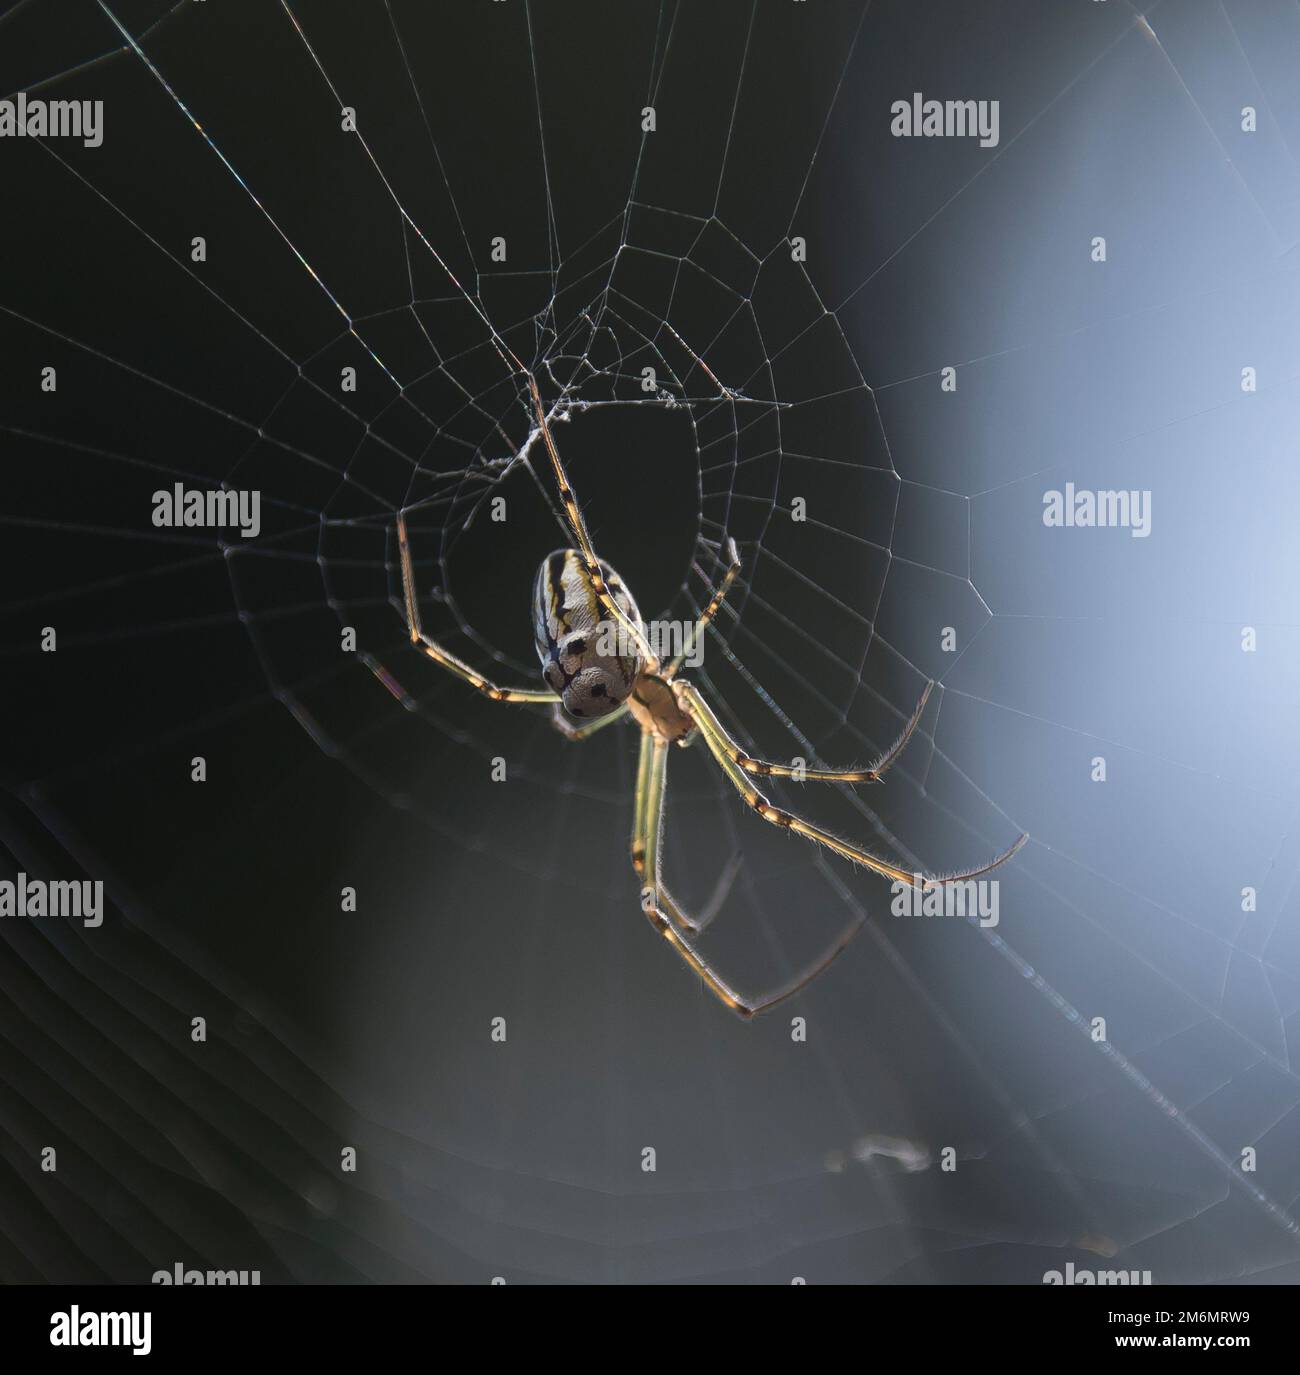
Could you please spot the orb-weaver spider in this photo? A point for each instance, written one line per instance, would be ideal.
(573, 595)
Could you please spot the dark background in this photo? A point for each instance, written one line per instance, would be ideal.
(479, 899)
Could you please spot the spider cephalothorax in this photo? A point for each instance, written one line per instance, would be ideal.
(599, 667)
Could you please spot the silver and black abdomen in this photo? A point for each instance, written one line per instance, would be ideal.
(586, 656)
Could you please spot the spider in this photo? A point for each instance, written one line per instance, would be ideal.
(576, 596)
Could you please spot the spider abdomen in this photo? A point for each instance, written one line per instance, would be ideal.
(588, 658)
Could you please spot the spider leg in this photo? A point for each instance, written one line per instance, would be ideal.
(560, 720)
(642, 795)
(721, 744)
(873, 774)
(442, 656)
(721, 891)
(710, 611)
(578, 526)
(651, 768)
(660, 908)
(649, 793)
(645, 848)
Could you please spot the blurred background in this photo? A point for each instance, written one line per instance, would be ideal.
(769, 236)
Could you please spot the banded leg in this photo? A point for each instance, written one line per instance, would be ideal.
(650, 814)
(442, 656)
(650, 774)
(762, 769)
(721, 745)
(659, 907)
(642, 795)
(710, 611)
(573, 514)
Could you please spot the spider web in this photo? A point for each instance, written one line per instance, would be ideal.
(794, 279)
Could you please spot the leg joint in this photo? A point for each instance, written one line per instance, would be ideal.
(773, 814)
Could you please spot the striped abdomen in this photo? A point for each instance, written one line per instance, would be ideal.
(586, 657)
